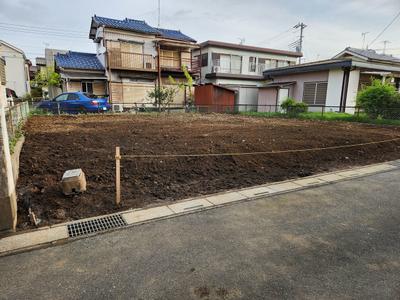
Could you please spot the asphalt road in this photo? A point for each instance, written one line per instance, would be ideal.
(335, 241)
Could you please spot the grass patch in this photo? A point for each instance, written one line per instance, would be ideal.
(18, 133)
(327, 116)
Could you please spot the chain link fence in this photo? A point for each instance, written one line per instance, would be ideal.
(15, 116)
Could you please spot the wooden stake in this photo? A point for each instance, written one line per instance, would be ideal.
(117, 176)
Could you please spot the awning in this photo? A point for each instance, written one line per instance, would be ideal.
(82, 75)
(279, 84)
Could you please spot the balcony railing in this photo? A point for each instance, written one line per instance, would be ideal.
(170, 63)
(131, 61)
(137, 61)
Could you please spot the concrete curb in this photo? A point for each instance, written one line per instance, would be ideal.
(45, 236)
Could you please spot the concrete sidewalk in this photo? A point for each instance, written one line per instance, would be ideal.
(333, 241)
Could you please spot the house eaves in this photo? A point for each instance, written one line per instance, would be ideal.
(234, 76)
(249, 48)
(309, 67)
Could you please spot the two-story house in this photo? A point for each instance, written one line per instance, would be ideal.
(137, 57)
(240, 67)
(16, 69)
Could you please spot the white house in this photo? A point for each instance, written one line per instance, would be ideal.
(240, 67)
(332, 83)
(16, 68)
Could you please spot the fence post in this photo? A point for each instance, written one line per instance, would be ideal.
(117, 176)
(8, 199)
(323, 110)
(58, 108)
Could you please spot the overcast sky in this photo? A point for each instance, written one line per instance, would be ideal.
(332, 25)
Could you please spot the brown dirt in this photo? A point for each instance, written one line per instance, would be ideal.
(56, 144)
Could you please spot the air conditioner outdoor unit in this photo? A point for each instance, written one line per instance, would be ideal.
(117, 107)
(216, 69)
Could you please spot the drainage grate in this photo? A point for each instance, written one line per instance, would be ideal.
(95, 225)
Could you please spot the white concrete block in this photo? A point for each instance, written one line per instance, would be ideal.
(226, 198)
(29, 239)
(282, 187)
(189, 205)
(309, 181)
(147, 214)
(257, 192)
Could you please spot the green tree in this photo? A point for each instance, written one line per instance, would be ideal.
(380, 99)
(188, 83)
(46, 78)
(162, 96)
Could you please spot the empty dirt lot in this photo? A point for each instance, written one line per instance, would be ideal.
(58, 143)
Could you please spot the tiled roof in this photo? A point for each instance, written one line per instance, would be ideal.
(372, 54)
(175, 35)
(141, 27)
(126, 24)
(78, 60)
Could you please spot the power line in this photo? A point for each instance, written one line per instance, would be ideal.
(42, 28)
(279, 35)
(384, 29)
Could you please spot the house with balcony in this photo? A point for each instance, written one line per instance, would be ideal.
(239, 67)
(137, 57)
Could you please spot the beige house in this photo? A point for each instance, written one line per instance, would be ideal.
(81, 72)
(137, 57)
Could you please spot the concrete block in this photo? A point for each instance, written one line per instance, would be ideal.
(73, 181)
(29, 239)
(309, 181)
(147, 214)
(226, 198)
(189, 205)
(283, 187)
(257, 192)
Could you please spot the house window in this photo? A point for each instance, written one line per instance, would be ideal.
(87, 87)
(216, 59)
(252, 64)
(204, 60)
(314, 93)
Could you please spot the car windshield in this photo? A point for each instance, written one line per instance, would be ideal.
(91, 96)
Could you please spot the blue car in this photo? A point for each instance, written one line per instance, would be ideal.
(75, 102)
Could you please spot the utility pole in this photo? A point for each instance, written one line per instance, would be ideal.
(300, 47)
(364, 34)
(159, 13)
(384, 45)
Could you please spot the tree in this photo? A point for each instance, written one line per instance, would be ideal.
(162, 96)
(47, 78)
(182, 85)
(380, 99)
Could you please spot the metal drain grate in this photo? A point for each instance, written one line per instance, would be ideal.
(95, 225)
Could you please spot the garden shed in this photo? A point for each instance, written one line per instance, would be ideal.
(214, 98)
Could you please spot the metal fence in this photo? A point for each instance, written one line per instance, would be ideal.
(15, 115)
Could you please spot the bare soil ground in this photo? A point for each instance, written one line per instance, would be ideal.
(55, 144)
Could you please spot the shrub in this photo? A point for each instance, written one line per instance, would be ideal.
(293, 108)
(379, 100)
(162, 96)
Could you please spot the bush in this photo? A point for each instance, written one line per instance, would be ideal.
(293, 108)
(379, 100)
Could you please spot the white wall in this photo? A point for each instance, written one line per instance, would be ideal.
(352, 90)
(245, 54)
(335, 82)
(16, 72)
